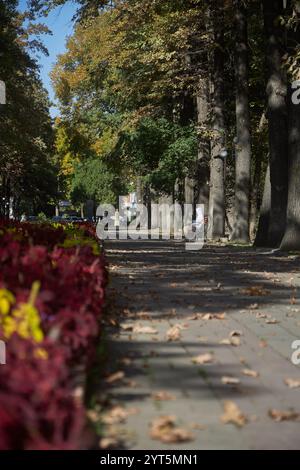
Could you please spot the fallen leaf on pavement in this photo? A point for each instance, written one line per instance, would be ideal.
(127, 326)
(250, 373)
(233, 414)
(255, 291)
(235, 341)
(196, 316)
(261, 315)
(174, 333)
(118, 414)
(253, 307)
(230, 380)
(163, 395)
(292, 383)
(109, 443)
(203, 359)
(115, 377)
(272, 321)
(236, 333)
(145, 330)
(279, 416)
(225, 341)
(214, 316)
(164, 429)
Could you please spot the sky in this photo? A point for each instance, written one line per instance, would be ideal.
(60, 23)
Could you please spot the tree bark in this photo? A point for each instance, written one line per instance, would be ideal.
(291, 239)
(139, 190)
(277, 117)
(216, 228)
(265, 209)
(202, 177)
(243, 146)
(256, 183)
(189, 190)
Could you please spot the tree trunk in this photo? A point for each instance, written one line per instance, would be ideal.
(256, 182)
(277, 117)
(202, 177)
(189, 190)
(291, 239)
(216, 228)
(265, 209)
(243, 146)
(139, 190)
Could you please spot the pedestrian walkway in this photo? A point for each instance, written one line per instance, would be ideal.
(203, 351)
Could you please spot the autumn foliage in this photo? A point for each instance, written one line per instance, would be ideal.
(52, 284)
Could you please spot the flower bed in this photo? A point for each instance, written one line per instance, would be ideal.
(52, 284)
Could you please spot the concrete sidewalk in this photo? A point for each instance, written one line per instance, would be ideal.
(237, 306)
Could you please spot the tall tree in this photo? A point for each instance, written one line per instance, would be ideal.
(291, 239)
(26, 134)
(243, 144)
(277, 120)
(216, 227)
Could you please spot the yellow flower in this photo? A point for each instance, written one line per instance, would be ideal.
(9, 326)
(7, 299)
(25, 318)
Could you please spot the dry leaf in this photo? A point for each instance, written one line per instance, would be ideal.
(261, 315)
(250, 373)
(115, 377)
(236, 333)
(255, 291)
(279, 416)
(127, 326)
(163, 396)
(118, 414)
(109, 443)
(233, 414)
(196, 316)
(225, 341)
(230, 380)
(272, 321)
(292, 383)
(235, 341)
(174, 333)
(145, 330)
(253, 307)
(164, 429)
(206, 358)
(214, 316)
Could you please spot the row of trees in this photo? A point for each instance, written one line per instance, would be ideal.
(188, 98)
(27, 174)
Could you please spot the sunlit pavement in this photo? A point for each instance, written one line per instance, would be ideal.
(159, 284)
